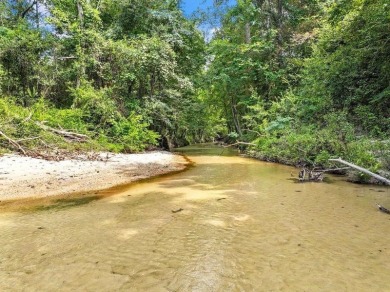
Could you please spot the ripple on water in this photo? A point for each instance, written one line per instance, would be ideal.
(243, 227)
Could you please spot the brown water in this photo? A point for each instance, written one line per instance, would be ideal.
(245, 226)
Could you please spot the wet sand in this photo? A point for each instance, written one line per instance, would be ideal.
(25, 177)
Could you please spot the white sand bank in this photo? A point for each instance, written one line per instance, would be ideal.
(26, 177)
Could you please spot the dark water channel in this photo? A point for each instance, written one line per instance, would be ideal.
(226, 224)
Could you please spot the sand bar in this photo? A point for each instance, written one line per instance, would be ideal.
(25, 177)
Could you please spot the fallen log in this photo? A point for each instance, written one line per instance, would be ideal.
(377, 176)
(66, 134)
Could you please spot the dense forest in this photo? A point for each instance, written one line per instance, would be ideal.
(300, 81)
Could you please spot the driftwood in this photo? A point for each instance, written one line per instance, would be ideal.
(310, 175)
(306, 174)
(378, 177)
(302, 174)
(334, 169)
(316, 175)
(13, 143)
(66, 134)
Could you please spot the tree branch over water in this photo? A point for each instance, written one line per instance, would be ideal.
(377, 176)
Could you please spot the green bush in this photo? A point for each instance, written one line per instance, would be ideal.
(132, 134)
(314, 147)
(119, 134)
(98, 106)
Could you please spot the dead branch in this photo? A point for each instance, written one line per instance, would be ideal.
(306, 174)
(333, 169)
(13, 143)
(378, 177)
(24, 13)
(316, 175)
(28, 118)
(302, 174)
(27, 139)
(240, 143)
(66, 58)
(66, 134)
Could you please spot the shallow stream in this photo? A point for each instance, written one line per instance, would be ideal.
(226, 224)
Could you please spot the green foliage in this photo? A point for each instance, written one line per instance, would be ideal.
(117, 70)
(121, 135)
(314, 148)
(278, 124)
(20, 52)
(306, 80)
(349, 69)
(97, 106)
(132, 134)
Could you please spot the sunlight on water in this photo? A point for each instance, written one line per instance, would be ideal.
(227, 224)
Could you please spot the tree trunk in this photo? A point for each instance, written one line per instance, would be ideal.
(247, 33)
(279, 21)
(37, 14)
(235, 117)
(81, 69)
(80, 14)
(27, 10)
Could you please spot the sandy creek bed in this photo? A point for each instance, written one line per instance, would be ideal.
(245, 225)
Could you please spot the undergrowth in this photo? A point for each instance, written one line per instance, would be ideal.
(314, 145)
(119, 133)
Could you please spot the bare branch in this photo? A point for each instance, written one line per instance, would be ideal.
(240, 143)
(28, 118)
(24, 13)
(378, 177)
(66, 58)
(13, 143)
(333, 169)
(27, 139)
(66, 134)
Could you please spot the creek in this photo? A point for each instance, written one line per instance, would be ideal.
(227, 223)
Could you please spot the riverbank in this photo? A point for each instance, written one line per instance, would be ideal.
(25, 177)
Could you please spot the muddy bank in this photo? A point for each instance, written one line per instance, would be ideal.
(25, 177)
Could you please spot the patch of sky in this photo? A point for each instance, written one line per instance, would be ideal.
(195, 8)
